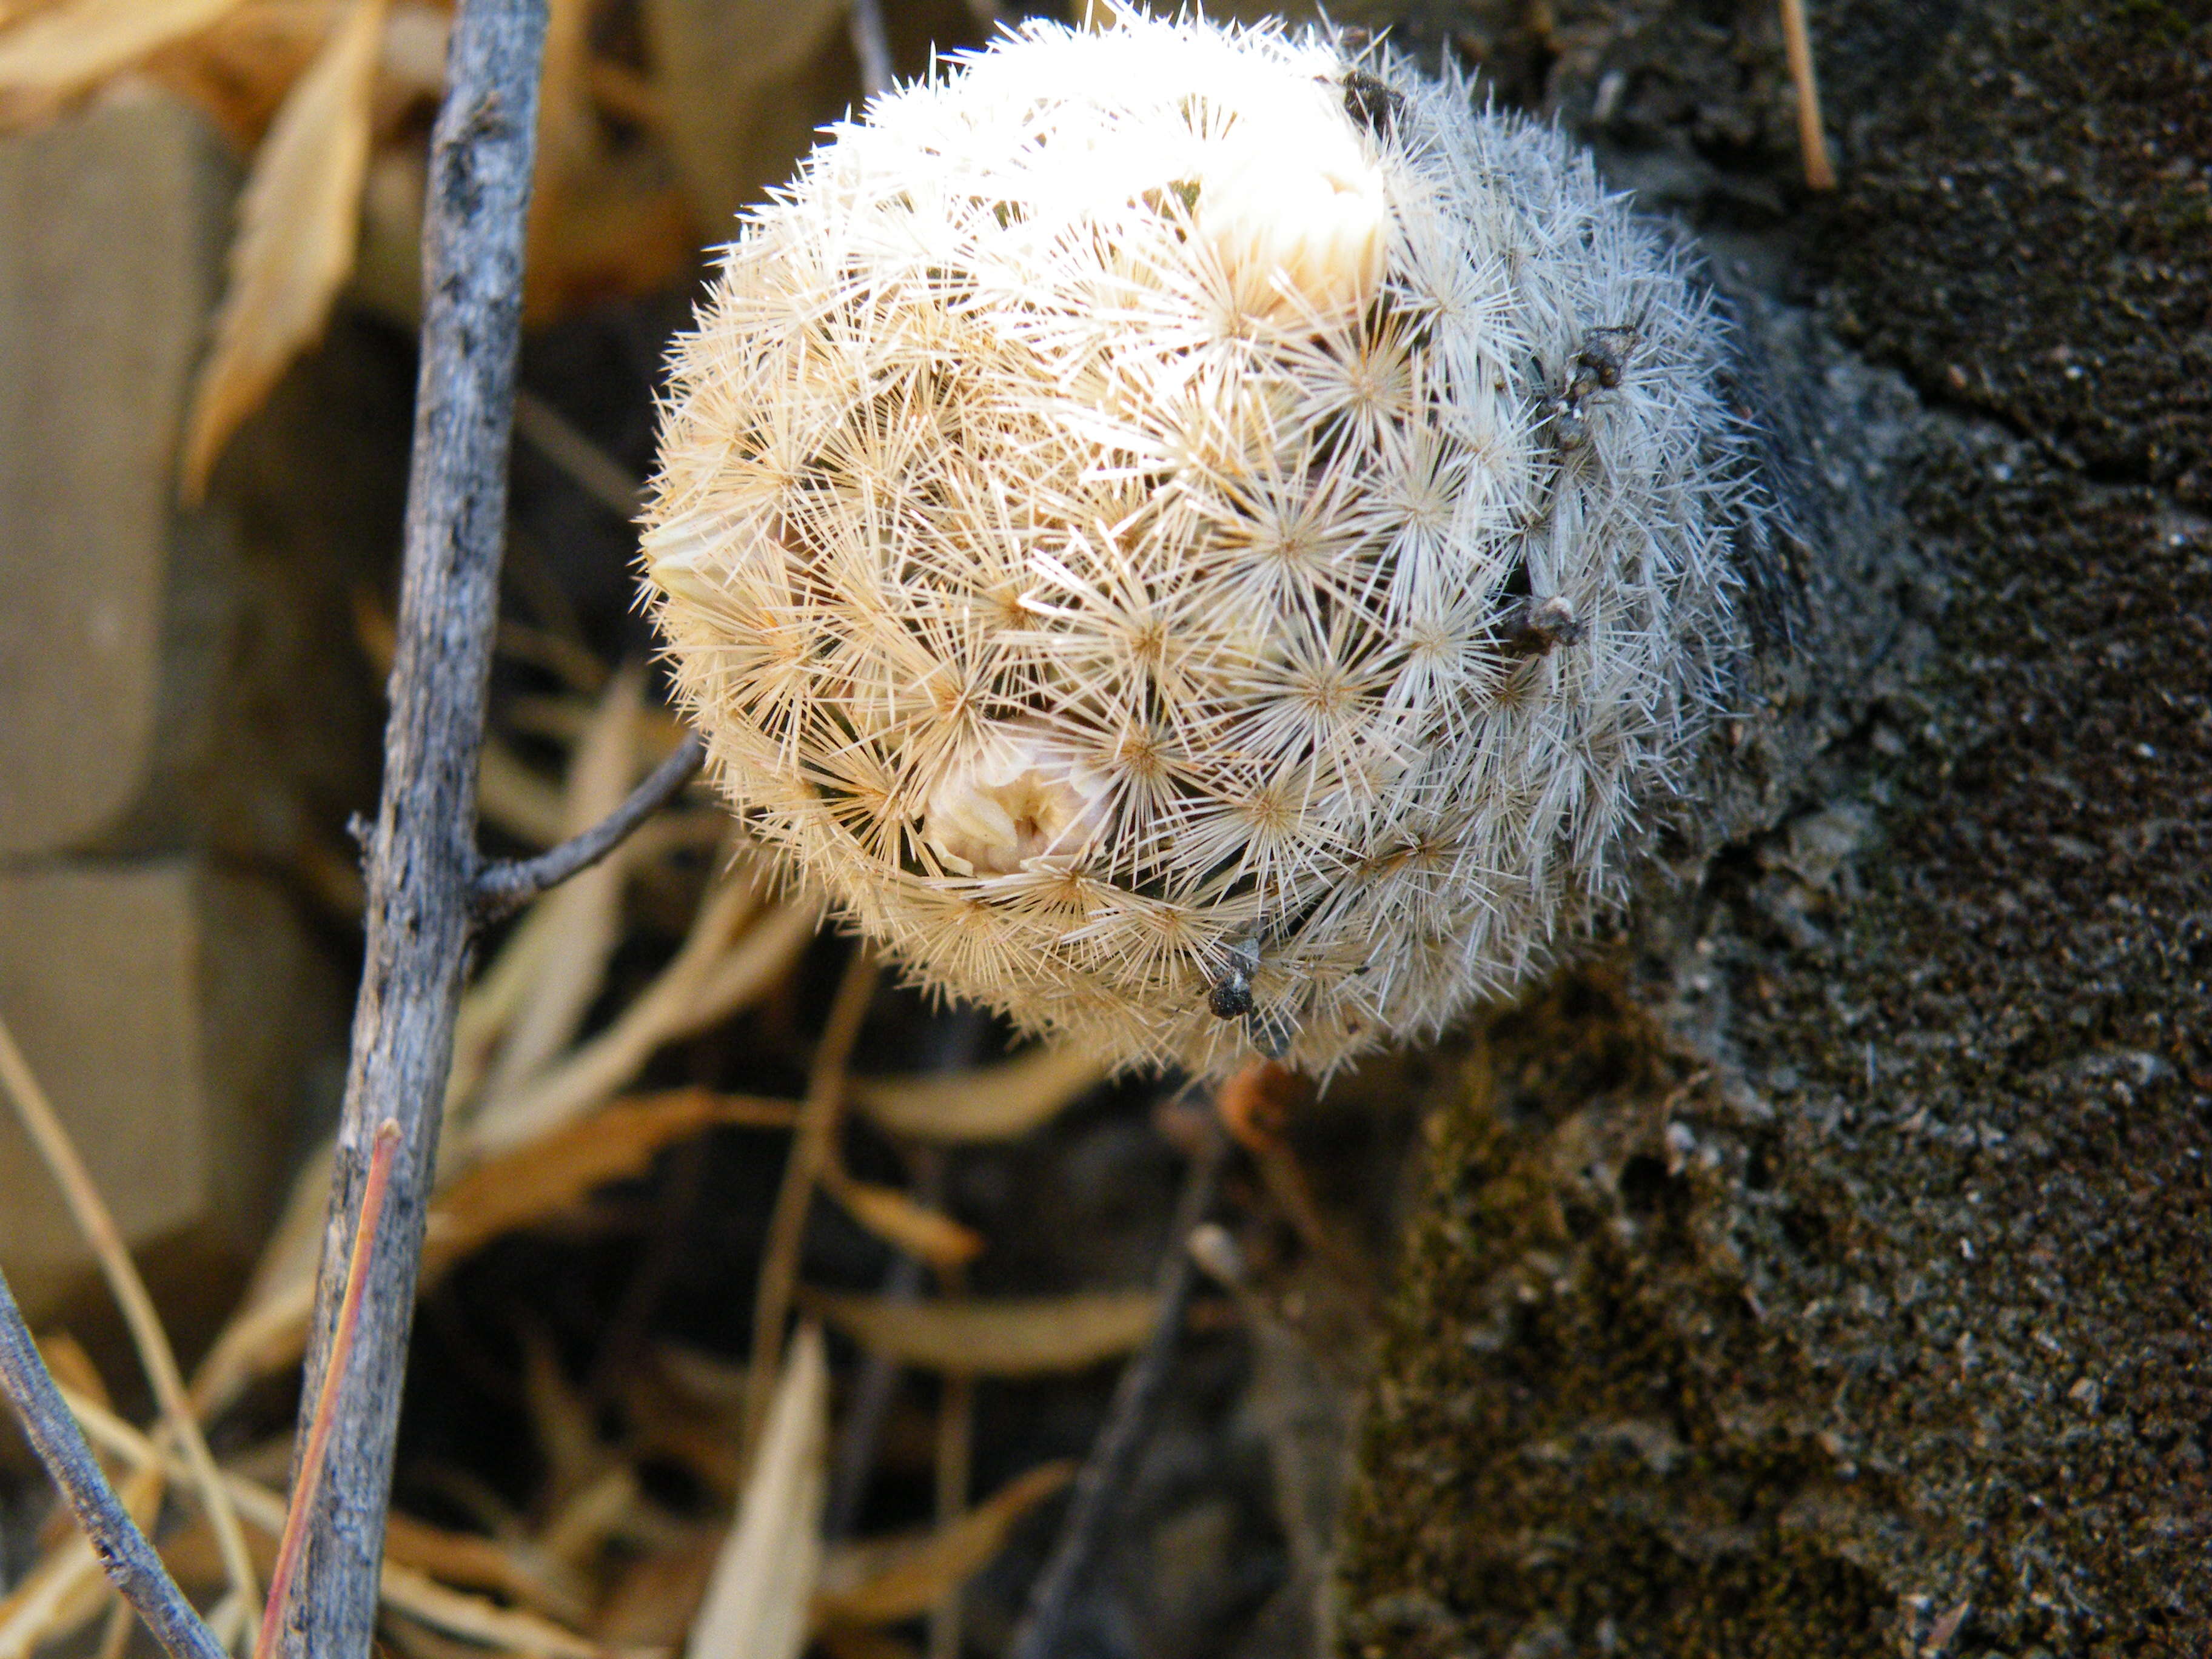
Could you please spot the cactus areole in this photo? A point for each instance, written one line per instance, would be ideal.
(1199, 538)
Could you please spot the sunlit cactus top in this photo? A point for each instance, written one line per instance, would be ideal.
(1198, 538)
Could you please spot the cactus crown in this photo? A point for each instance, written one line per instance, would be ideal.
(1198, 537)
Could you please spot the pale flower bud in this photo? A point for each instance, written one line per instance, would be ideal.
(1023, 797)
(1292, 198)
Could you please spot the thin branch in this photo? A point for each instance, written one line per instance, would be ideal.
(420, 915)
(1100, 1488)
(318, 1433)
(158, 1358)
(129, 1561)
(500, 887)
(810, 1150)
(1797, 41)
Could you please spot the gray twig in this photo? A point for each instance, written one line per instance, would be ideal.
(423, 858)
(1100, 1488)
(131, 1562)
(501, 886)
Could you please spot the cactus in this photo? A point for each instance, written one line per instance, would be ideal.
(1199, 538)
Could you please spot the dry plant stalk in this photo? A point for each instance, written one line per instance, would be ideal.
(1797, 42)
(812, 1150)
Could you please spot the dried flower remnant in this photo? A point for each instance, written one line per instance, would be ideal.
(1200, 540)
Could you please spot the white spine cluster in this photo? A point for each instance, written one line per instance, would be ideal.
(1199, 538)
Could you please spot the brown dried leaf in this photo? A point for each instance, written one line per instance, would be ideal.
(908, 1579)
(467, 1561)
(735, 952)
(239, 70)
(584, 914)
(996, 1102)
(557, 1171)
(299, 221)
(758, 1601)
(62, 50)
(1013, 1336)
(899, 1220)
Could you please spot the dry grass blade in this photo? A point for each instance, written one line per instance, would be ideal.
(65, 49)
(154, 1354)
(900, 1220)
(813, 1151)
(537, 1178)
(587, 466)
(1010, 1336)
(995, 1102)
(906, 1581)
(552, 1173)
(299, 221)
(584, 914)
(464, 1560)
(457, 1614)
(458, 1558)
(491, 1005)
(759, 1599)
(718, 970)
(270, 1334)
(511, 796)
(1813, 139)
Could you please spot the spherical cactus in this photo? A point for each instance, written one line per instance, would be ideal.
(1200, 539)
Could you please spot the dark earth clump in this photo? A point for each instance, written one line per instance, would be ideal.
(1824, 1269)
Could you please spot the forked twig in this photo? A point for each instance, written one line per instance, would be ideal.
(1099, 1488)
(326, 1403)
(502, 885)
(128, 1559)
